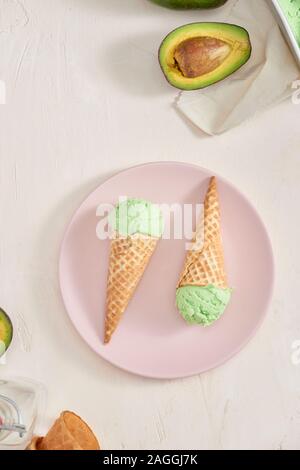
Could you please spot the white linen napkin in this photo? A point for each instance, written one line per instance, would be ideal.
(265, 80)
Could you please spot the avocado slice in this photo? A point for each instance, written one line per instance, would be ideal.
(189, 4)
(6, 332)
(198, 55)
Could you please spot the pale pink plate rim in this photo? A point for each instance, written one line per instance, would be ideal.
(253, 330)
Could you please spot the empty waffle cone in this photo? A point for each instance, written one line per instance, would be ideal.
(129, 258)
(69, 432)
(35, 443)
(204, 264)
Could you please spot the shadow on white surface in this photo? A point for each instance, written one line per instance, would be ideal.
(120, 7)
(195, 131)
(133, 65)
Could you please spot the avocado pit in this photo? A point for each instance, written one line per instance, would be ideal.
(198, 56)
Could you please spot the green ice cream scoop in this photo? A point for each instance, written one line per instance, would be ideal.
(137, 216)
(202, 305)
(291, 9)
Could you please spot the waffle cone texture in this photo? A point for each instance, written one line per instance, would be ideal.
(204, 264)
(128, 260)
(69, 432)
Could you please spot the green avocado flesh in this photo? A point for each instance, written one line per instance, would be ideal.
(186, 4)
(6, 332)
(198, 55)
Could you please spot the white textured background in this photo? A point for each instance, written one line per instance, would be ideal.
(85, 98)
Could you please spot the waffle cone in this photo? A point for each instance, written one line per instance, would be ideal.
(204, 264)
(129, 258)
(69, 432)
(35, 443)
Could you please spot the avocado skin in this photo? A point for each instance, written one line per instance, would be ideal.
(190, 4)
(7, 327)
(219, 25)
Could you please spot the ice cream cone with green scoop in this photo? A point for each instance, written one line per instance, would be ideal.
(137, 226)
(203, 293)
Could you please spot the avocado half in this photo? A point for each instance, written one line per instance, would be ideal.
(189, 4)
(6, 332)
(198, 55)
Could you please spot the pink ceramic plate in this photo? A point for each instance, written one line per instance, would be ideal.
(152, 339)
